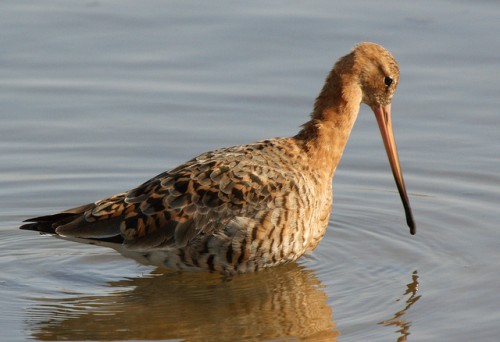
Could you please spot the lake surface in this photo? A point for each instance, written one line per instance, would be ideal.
(98, 96)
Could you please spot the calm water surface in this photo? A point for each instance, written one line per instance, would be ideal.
(98, 96)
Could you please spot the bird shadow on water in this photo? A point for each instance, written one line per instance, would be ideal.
(283, 302)
(287, 302)
(397, 320)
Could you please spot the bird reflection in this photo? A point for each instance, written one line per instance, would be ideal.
(285, 302)
(397, 319)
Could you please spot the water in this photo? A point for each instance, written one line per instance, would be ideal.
(98, 96)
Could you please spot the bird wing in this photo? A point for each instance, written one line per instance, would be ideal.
(202, 196)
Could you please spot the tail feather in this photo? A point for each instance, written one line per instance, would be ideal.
(48, 223)
(42, 227)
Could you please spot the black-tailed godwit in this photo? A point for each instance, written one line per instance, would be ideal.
(243, 208)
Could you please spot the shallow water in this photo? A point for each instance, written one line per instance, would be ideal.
(98, 96)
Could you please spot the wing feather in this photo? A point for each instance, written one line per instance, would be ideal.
(202, 196)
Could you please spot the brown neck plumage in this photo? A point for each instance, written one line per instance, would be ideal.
(335, 110)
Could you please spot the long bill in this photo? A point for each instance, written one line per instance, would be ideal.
(383, 115)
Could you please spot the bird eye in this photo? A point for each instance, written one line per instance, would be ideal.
(387, 81)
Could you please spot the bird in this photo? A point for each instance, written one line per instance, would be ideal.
(249, 207)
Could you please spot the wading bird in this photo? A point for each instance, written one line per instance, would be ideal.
(243, 208)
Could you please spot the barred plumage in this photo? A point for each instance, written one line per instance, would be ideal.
(242, 208)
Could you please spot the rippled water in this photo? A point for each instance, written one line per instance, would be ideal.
(98, 96)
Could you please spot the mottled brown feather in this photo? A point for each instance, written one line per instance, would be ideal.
(239, 208)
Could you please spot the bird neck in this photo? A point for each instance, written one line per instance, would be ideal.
(335, 110)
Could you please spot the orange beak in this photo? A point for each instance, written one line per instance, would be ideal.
(383, 115)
